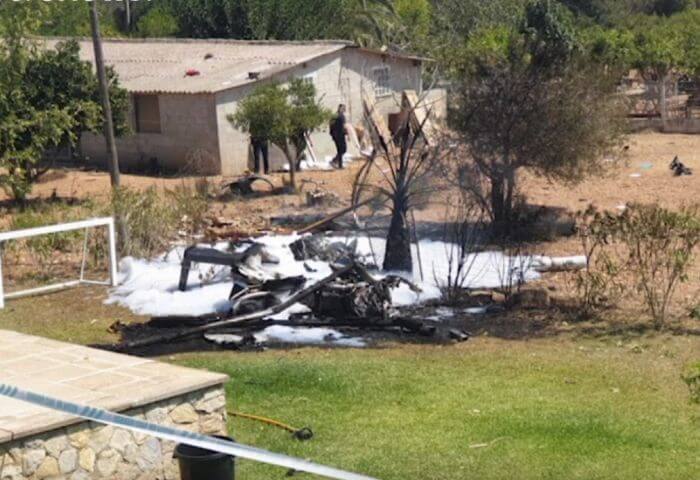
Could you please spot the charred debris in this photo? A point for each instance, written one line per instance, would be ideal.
(350, 300)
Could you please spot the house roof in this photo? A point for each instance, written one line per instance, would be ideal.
(161, 65)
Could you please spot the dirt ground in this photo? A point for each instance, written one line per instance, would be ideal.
(644, 177)
(649, 156)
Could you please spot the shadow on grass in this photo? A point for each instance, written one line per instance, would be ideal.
(511, 324)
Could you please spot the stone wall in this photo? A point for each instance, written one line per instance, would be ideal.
(90, 451)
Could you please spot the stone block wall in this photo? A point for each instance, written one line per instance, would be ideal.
(90, 451)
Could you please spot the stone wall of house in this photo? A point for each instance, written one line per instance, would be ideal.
(90, 451)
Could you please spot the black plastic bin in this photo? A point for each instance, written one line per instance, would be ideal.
(201, 464)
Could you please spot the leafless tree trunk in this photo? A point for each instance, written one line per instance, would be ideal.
(398, 239)
(127, 15)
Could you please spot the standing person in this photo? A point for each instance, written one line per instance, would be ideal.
(337, 131)
(260, 149)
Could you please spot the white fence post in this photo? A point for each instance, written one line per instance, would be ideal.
(112, 253)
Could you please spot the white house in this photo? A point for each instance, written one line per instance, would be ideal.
(182, 91)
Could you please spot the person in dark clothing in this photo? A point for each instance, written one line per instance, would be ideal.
(337, 131)
(260, 149)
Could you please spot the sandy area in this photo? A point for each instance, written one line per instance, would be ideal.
(643, 176)
(649, 157)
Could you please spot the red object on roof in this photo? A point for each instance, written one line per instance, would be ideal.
(191, 72)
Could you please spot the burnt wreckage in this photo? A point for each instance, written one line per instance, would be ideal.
(350, 298)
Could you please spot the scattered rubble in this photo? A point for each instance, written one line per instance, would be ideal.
(679, 167)
(319, 196)
(244, 185)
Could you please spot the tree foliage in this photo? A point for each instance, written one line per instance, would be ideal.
(531, 98)
(47, 98)
(67, 19)
(282, 115)
(157, 22)
(258, 19)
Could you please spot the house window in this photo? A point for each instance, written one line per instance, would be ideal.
(147, 113)
(381, 77)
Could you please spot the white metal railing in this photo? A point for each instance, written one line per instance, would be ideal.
(64, 227)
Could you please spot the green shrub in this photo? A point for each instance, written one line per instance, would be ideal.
(190, 205)
(649, 244)
(599, 284)
(692, 378)
(660, 244)
(148, 222)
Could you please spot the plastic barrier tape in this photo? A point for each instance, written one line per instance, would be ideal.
(180, 436)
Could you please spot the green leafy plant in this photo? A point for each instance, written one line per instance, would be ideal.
(151, 221)
(284, 116)
(47, 98)
(660, 244)
(530, 98)
(599, 284)
(157, 22)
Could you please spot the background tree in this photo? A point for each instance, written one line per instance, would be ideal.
(157, 22)
(46, 98)
(657, 55)
(455, 22)
(66, 19)
(531, 98)
(284, 115)
(687, 24)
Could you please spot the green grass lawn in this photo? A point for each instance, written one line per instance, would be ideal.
(484, 409)
(557, 407)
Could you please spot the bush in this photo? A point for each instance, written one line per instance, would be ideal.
(158, 22)
(149, 222)
(651, 244)
(599, 284)
(660, 245)
(692, 378)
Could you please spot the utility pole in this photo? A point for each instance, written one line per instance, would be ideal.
(112, 157)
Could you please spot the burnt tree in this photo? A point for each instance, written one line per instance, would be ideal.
(399, 172)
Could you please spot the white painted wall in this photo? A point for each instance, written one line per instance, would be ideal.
(188, 136)
(194, 128)
(339, 78)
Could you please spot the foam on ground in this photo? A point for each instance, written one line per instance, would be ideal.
(150, 287)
